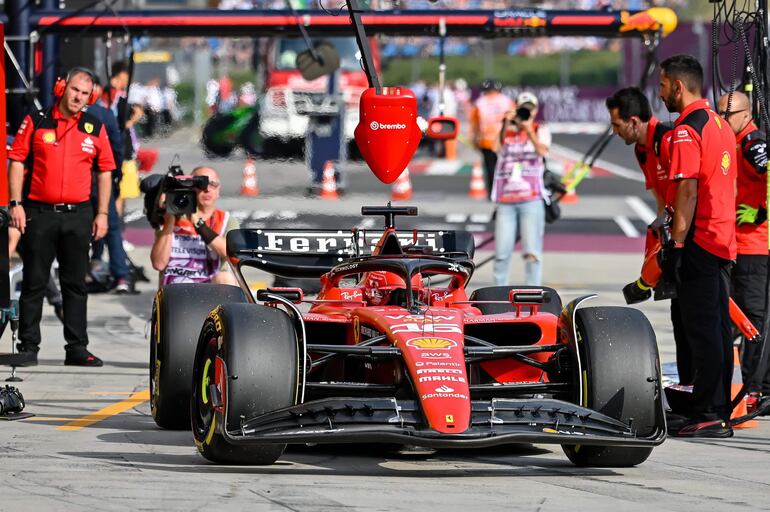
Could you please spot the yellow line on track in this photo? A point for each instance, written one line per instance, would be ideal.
(107, 412)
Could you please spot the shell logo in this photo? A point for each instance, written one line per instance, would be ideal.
(431, 343)
(725, 163)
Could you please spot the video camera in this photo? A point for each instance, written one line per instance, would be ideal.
(178, 190)
(523, 113)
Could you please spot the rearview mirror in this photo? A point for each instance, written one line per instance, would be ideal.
(442, 128)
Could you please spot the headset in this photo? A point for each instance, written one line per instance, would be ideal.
(61, 84)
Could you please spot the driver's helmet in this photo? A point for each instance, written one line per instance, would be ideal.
(380, 285)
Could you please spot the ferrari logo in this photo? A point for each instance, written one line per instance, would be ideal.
(356, 330)
(725, 163)
(449, 418)
(88, 127)
(49, 137)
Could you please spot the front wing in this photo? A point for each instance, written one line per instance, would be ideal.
(389, 420)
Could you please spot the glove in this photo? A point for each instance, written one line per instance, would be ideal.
(636, 292)
(670, 259)
(745, 214)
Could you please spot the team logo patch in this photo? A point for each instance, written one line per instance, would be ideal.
(725, 163)
(49, 137)
(88, 127)
(431, 343)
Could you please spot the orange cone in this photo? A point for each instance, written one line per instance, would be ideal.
(735, 388)
(478, 189)
(329, 183)
(402, 187)
(249, 185)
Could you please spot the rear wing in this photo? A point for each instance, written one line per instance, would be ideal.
(303, 253)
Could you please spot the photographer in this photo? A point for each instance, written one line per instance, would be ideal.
(191, 248)
(519, 190)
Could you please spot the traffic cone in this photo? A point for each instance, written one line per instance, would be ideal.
(329, 182)
(735, 388)
(478, 189)
(402, 187)
(249, 185)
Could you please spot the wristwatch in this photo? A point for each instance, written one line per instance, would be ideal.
(200, 223)
(13, 202)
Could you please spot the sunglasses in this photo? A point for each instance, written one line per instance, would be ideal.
(213, 184)
(727, 115)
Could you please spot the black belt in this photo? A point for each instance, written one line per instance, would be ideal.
(59, 207)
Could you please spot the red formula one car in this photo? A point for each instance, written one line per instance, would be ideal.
(393, 351)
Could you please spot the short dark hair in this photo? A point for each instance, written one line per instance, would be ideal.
(118, 68)
(685, 68)
(630, 101)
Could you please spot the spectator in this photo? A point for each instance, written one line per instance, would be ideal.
(519, 191)
(702, 246)
(51, 208)
(752, 270)
(486, 121)
(191, 249)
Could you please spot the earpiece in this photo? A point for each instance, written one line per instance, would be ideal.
(61, 84)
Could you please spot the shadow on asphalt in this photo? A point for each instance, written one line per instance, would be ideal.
(443, 465)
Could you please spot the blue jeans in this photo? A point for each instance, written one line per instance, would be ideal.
(114, 241)
(530, 215)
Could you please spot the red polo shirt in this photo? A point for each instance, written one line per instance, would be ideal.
(752, 188)
(64, 151)
(653, 157)
(703, 148)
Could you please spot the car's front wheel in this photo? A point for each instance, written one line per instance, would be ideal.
(246, 364)
(620, 378)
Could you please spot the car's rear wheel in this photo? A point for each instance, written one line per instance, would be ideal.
(215, 139)
(621, 379)
(247, 354)
(178, 312)
(552, 300)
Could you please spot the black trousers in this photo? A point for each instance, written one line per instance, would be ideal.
(750, 292)
(684, 364)
(66, 237)
(490, 162)
(703, 291)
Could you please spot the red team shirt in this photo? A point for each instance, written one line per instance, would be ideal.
(653, 158)
(752, 188)
(63, 156)
(703, 148)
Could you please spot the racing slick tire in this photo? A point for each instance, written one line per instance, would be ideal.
(621, 369)
(552, 300)
(178, 312)
(248, 354)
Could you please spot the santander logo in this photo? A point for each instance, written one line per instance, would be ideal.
(444, 389)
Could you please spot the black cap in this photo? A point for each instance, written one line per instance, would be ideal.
(491, 84)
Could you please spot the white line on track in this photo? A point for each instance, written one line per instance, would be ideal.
(640, 208)
(625, 225)
(617, 170)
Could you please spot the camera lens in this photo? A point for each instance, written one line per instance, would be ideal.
(523, 113)
(182, 202)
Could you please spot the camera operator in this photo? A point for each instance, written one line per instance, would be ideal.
(191, 248)
(519, 190)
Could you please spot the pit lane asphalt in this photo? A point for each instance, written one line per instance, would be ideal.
(59, 461)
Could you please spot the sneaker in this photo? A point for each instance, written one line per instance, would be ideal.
(23, 358)
(84, 358)
(123, 286)
(718, 429)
